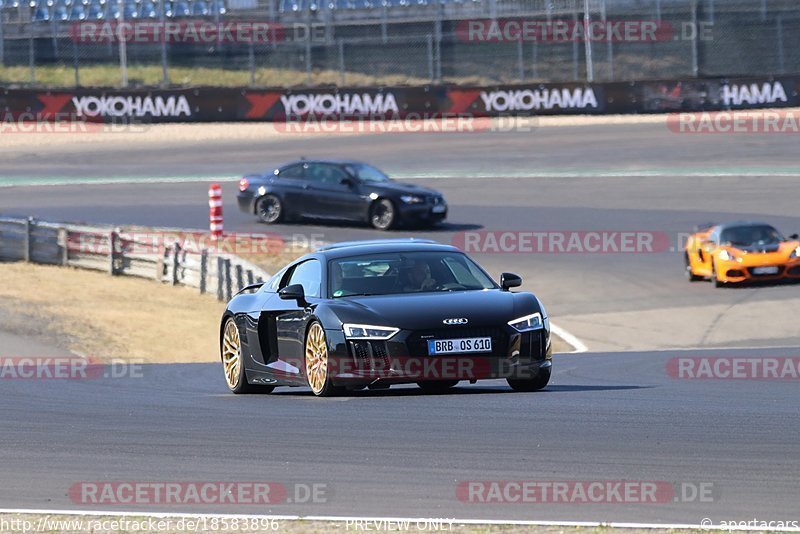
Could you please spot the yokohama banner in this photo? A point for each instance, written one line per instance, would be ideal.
(207, 104)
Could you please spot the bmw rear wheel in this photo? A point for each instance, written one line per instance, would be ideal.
(233, 363)
(317, 362)
(269, 209)
(540, 381)
(383, 214)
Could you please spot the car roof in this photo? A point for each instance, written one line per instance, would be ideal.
(317, 160)
(380, 246)
(737, 224)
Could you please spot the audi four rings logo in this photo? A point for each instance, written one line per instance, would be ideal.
(456, 320)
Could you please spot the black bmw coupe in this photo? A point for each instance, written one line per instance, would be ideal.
(338, 190)
(377, 313)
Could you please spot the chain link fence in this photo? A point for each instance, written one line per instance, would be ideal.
(288, 43)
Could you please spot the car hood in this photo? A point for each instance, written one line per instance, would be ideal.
(786, 246)
(429, 310)
(399, 188)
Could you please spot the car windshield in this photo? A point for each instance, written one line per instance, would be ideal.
(405, 272)
(745, 236)
(366, 173)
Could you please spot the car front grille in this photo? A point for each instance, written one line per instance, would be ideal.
(418, 341)
(370, 355)
(754, 275)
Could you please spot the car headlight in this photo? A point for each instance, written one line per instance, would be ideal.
(527, 323)
(727, 256)
(795, 253)
(365, 331)
(412, 199)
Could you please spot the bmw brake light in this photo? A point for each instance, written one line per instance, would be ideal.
(244, 183)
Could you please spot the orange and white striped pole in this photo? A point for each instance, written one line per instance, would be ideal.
(215, 210)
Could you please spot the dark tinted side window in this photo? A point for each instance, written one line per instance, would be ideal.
(293, 171)
(325, 173)
(309, 275)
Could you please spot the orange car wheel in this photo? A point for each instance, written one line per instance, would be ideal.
(689, 272)
(714, 276)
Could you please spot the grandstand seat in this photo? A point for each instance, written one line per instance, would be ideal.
(96, 11)
(41, 13)
(178, 9)
(199, 8)
(148, 10)
(131, 10)
(60, 13)
(218, 8)
(112, 10)
(78, 11)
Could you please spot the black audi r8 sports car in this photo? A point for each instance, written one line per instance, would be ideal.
(377, 313)
(339, 190)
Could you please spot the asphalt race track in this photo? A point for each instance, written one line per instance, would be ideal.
(614, 413)
(403, 453)
(557, 179)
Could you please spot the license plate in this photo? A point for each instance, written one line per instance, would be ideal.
(438, 209)
(765, 270)
(467, 344)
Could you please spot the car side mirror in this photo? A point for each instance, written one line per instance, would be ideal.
(794, 236)
(509, 280)
(293, 292)
(347, 181)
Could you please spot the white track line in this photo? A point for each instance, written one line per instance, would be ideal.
(576, 343)
(443, 175)
(338, 519)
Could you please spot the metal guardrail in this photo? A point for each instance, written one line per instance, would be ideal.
(121, 253)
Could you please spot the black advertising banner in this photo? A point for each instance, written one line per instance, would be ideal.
(210, 104)
(718, 94)
(105, 105)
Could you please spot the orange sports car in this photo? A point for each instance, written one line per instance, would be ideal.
(741, 252)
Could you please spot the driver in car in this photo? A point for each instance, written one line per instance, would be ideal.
(419, 279)
(337, 282)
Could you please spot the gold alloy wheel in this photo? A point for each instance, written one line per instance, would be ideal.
(231, 354)
(316, 358)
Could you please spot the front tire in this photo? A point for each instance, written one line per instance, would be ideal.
(436, 387)
(689, 273)
(317, 362)
(530, 384)
(383, 214)
(714, 277)
(269, 209)
(233, 362)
